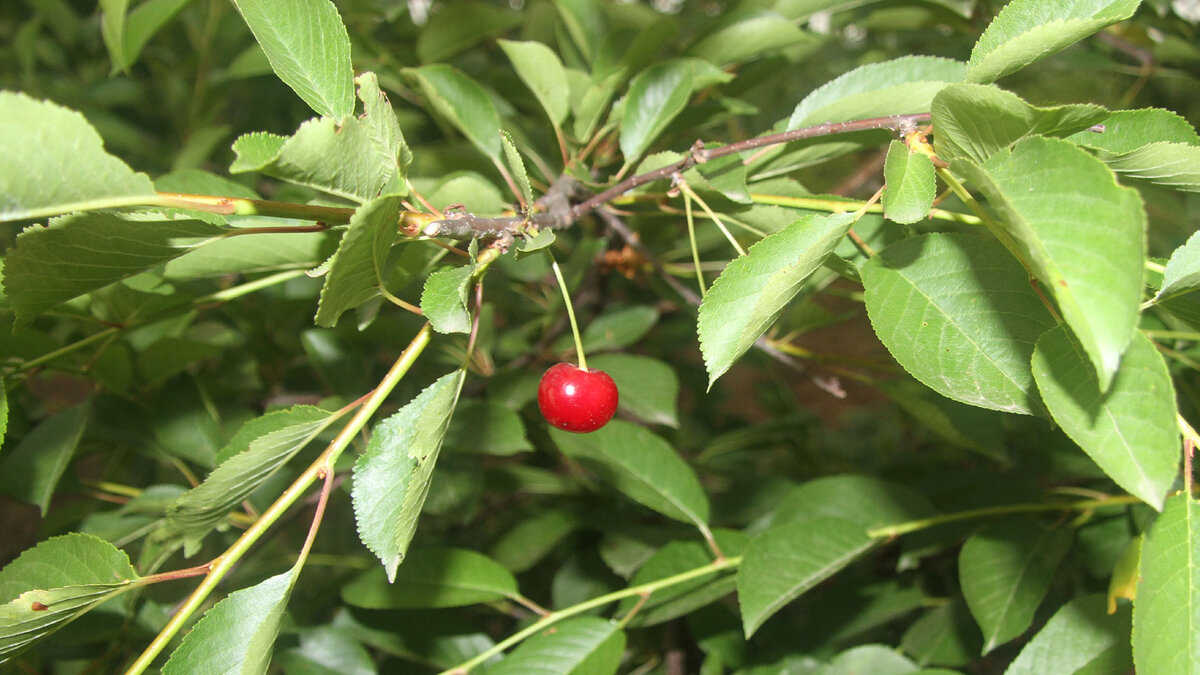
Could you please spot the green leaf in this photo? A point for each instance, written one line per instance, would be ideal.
(874, 659)
(265, 252)
(976, 121)
(744, 34)
(262, 447)
(356, 269)
(1078, 634)
(53, 583)
(788, 560)
(1172, 165)
(656, 95)
(958, 314)
(454, 30)
(1182, 274)
(308, 48)
(126, 34)
(754, 289)
(641, 466)
(463, 103)
(1128, 130)
(392, 476)
(649, 388)
(726, 175)
(866, 501)
(960, 425)
(945, 635)
(1046, 191)
(83, 252)
(1029, 30)
(328, 650)
(238, 634)
(357, 158)
(541, 70)
(677, 557)
(52, 161)
(517, 166)
(432, 578)
(1005, 572)
(32, 470)
(487, 427)
(585, 645)
(619, 328)
(529, 540)
(897, 87)
(1166, 613)
(444, 300)
(1130, 430)
(585, 23)
(910, 184)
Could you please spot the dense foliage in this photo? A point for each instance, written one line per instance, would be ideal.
(900, 298)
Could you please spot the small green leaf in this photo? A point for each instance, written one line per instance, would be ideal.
(541, 70)
(278, 437)
(975, 121)
(910, 185)
(900, 86)
(392, 476)
(865, 500)
(432, 578)
(788, 560)
(444, 300)
(53, 583)
(32, 470)
(463, 103)
(125, 34)
(744, 34)
(1172, 165)
(539, 241)
(357, 268)
(1029, 30)
(1124, 580)
(1182, 274)
(1166, 613)
(1096, 280)
(1078, 634)
(1005, 572)
(585, 23)
(52, 161)
(308, 48)
(1130, 430)
(874, 659)
(726, 175)
(357, 158)
(585, 645)
(753, 290)
(649, 388)
(642, 466)
(655, 97)
(517, 166)
(238, 634)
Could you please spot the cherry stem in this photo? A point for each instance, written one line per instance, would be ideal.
(562, 284)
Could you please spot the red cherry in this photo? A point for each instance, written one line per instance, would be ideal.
(575, 399)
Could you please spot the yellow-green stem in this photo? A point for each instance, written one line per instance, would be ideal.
(687, 205)
(224, 562)
(562, 285)
(839, 206)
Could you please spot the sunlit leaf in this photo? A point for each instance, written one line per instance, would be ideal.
(463, 103)
(580, 646)
(542, 71)
(52, 161)
(910, 184)
(753, 290)
(357, 268)
(1130, 430)
(1079, 634)
(1166, 613)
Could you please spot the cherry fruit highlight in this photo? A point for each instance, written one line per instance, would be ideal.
(577, 400)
